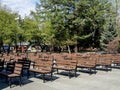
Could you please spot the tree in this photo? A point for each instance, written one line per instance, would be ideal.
(8, 27)
(109, 29)
(30, 30)
(108, 35)
(75, 22)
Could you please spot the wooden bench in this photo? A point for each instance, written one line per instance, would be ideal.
(116, 59)
(26, 66)
(86, 62)
(42, 67)
(105, 60)
(16, 73)
(67, 65)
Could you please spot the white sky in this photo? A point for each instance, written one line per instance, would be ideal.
(23, 7)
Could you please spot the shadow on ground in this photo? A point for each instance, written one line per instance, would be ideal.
(66, 73)
(104, 69)
(88, 71)
(116, 67)
(3, 85)
(47, 77)
(15, 82)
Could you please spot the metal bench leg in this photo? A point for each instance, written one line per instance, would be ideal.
(9, 79)
(34, 74)
(75, 72)
(43, 78)
(69, 74)
(20, 81)
(28, 74)
(51, 75)
(57, 71)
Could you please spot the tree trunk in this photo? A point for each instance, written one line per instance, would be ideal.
(69, 51)
(76, 47)
(52, 46)
(2, 47)
(8, 51)
(16, 46)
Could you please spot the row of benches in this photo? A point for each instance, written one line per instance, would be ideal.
(47, 64)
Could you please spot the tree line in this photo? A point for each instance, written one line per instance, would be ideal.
(74, 24)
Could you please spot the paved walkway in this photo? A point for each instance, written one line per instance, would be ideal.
(102, 80)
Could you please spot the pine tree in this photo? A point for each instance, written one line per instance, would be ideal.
(108, 35)
(75, 22)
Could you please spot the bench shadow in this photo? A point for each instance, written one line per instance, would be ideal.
(88, 71)
(116, 67)
(3, 85)
(104, 69)
(26, 81)
(15, 82)
(47, 77)
(66, 73)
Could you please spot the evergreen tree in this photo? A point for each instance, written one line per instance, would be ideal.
(75, 22)
(109, 29)
(108, 35)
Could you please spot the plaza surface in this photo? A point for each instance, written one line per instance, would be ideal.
(102, 80)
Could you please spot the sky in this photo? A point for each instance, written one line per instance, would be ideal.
(23, 7)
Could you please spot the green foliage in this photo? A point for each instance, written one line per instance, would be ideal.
(30, 30)
(108, 35)
(8, 26)
(109, 31)
(47, 33)
(74, 21)
(14, 29)
(83, 23)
